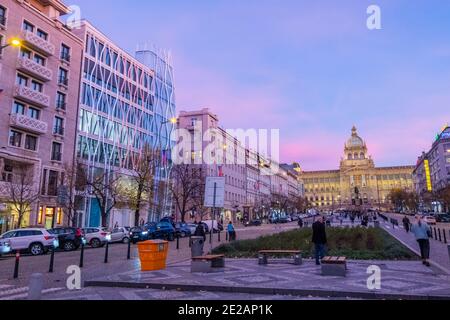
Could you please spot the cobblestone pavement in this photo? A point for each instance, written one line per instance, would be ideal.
(94, 266)
(399, 280)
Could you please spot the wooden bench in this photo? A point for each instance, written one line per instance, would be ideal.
(296, 254)
(334, 266)
(207, 264)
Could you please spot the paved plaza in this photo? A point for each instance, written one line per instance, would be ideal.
(399, 280)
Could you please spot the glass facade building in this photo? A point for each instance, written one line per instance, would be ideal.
(119, 114)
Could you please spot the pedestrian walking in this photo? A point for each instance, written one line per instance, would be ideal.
(200, 231)
(422, 232)
(231, 231)
(300, 222)
(319, 239)
(406, 224)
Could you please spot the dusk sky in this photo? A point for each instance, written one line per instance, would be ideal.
(309, 68)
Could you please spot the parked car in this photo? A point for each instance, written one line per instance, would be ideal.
(192, 227)
(283, 220)
(253, 223)
(183, 230)
(5, 247)
(36, 241)
(138, 234)
(70, 239)
(97, 237)
(430, 220)
(163, 231)
(121, 234)
(443, 218)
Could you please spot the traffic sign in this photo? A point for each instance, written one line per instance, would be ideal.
(215, 192)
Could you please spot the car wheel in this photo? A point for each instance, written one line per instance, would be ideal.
(36, 249)
(95, 243)
(69, 246)
(125, 240)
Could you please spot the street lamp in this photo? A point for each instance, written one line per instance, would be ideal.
(14, 42)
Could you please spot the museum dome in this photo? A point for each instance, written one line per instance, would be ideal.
(355, 141)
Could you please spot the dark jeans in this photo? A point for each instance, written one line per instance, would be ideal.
(320, 252)
(232, 235)
(424, 245)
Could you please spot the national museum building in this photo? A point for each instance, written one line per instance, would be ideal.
(358, 182)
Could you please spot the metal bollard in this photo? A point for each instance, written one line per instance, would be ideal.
(190, 241)
(218, 236)
(82, 255)
(435, 234)
(35, 287)
(226, 236)
(106, 252)
(440, 238)
(52, 260)
(129, 250)
(16, 265)
(178, 242)
(445, 236)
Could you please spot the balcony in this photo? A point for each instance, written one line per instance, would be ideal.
(28, 124)
(31, 96)
(37, 43)
(5, 188)
(34, 69)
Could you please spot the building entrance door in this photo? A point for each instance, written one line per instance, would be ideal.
(50, 218)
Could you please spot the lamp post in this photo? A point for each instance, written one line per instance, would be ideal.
(14, 42)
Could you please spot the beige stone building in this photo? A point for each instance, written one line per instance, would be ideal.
(358, 183)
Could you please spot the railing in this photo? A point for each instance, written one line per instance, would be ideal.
(65, 57)
(39, 44)
(28, 123)
(63, 81)
(32, 96)
(59, 130)
(61, 105)
(36, 69)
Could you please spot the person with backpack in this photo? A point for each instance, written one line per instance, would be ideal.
(422, 232)
(231, 232)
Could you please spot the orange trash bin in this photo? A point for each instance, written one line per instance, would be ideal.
(153, 254)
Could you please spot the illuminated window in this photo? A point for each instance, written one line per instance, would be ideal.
(41, 215)
(60, 215)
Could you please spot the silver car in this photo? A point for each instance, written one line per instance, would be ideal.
(36, 241)
(120, 234)
(5, 247)
(97, 237)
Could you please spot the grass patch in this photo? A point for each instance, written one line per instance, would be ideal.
(353, 243)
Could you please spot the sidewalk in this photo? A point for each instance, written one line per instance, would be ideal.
(439, 256)
(399, 280)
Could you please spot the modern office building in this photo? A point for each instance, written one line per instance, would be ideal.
(432, 171)
(357, 183)
(118, 118)
(39, 88)
(160, 62)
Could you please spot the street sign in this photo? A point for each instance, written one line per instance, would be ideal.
(215, 188)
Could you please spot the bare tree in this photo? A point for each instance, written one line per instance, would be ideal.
(301, 203)
(280, 202)
(105, 187)
(22, 190)
(72, 181)
(142, 181)
(185, 187)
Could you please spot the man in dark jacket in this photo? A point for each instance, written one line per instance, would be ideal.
(319, 239)
(200, 231)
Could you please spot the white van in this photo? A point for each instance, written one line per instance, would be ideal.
(217, 225)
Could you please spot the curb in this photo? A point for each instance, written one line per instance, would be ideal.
(433, 263)
(268, 291)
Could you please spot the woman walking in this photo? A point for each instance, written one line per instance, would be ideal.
(422, 231)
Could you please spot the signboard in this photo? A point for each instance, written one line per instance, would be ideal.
(426, 164)
(215, 185)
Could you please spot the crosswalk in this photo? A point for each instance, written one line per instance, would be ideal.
(10, 292)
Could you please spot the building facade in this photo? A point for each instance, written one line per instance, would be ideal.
(250, 184)
(118, 119)
(432, 171)
(39, 88)
(358, 183)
